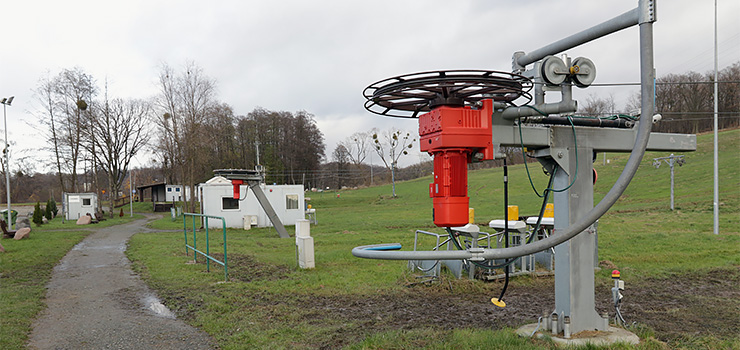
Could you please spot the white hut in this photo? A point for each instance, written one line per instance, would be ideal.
(176, 193)
(75, 205)
(217, 199)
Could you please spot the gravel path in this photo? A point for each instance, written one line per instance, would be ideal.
(95, 301)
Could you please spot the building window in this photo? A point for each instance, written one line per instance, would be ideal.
(291, 201)
(85, 201)
(169, 189)
(177, 189)
(229, 203)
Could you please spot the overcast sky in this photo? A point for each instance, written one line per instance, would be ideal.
(319, 55)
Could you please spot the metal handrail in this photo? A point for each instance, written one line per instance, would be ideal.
(194, 247)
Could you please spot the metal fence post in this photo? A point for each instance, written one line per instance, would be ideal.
(207, 253)
(208, 249)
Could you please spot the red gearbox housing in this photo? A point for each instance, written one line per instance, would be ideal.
(453, 135)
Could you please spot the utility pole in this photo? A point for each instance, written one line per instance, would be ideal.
(257, 144)
(6, 102)
(131, 192)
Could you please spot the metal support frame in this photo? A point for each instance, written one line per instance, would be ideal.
(255, 186)
(254, 179)
(574, 259)
(575, 213)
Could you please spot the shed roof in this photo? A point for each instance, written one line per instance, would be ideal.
(218, 180)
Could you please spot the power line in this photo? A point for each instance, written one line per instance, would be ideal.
(694, 119)
(737, 114)
(670, 83)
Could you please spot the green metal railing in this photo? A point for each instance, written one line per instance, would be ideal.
(194, 247)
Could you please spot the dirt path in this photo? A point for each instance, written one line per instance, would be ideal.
(95, 301)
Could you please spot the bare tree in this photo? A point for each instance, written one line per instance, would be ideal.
(183, 105)
(118, 131)
(64, 100)
(341, 157)
(45, 93)
(632, 106)
(596, 106)
(390, 146)
(73, 87)
(168, 122)
(357, 145)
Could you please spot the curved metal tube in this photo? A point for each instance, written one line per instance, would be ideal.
(371, 252)
(647, 75)
(623, 21)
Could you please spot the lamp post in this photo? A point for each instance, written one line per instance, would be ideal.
(6, 150)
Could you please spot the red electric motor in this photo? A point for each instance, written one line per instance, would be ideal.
(237, 184)
(454, 108)
(454, 135)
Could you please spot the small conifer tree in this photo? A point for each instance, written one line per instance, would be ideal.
(54, 209)
(38, 216)
(47, 213)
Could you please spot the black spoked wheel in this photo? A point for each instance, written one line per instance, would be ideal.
(409, 95)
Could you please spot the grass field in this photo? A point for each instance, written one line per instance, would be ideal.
(681, 279)
(355, 303)
(25, 269)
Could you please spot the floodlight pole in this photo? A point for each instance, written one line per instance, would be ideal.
(7, 102)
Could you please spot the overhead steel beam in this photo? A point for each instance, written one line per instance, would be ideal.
(615, 24)
(600, 139)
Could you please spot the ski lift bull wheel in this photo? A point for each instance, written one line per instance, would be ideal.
(409, 95)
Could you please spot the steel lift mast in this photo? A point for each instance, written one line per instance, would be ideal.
(466, 116)
(253, 179)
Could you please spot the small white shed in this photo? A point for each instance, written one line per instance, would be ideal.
(176, 193)
(217, 199)
(76, 205)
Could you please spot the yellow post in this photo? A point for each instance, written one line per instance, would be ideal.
(549, 211)
(513, 213)
(471, 215)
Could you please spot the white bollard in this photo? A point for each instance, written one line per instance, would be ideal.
(566, 327)
(554, 324)
(304, 242)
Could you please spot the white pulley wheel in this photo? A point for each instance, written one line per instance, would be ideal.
(586, 72)
(553, 70)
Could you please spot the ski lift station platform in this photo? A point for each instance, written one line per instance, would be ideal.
(217, 199)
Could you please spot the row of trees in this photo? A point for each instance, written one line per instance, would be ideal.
(390, 145)
(83, 126)
(197, 134)
(687, 104)
(685, 101)
(95, 135)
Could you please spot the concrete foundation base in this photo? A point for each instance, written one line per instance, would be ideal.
(613, 335)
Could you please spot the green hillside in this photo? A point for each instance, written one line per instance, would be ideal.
(268, 303)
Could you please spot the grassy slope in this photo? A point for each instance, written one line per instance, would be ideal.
(640, 235)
